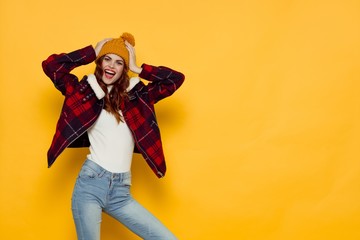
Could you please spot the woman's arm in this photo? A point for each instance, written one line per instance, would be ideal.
(163, 81)
(58, 67)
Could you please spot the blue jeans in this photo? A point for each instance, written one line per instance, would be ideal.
(97, 190)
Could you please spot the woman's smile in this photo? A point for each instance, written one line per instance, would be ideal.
(113, 66)
(109, 73)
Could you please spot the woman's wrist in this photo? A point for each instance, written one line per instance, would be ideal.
(136, 69)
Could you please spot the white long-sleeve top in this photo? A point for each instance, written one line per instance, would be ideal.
(111, 143)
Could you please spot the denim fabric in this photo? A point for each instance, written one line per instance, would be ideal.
(98, 190)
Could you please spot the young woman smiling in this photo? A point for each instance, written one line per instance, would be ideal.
(114, 116)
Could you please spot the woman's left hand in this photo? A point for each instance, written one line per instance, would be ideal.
(132, 59)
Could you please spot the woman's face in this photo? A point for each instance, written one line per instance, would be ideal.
(112, 66)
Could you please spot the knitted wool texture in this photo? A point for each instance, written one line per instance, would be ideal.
(117, 46)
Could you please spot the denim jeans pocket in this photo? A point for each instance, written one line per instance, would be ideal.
(87, 172)
(127, 182)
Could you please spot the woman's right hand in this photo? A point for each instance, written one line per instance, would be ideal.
(132, 59)
(100, 44)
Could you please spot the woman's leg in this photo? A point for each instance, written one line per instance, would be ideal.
(140, 221)
(87, 202)
(87, 218)
(134, 216)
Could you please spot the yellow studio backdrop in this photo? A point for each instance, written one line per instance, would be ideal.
(262, 140)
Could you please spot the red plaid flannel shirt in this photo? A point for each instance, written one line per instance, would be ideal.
(81, 107)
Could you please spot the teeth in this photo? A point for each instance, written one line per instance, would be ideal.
(109, 72)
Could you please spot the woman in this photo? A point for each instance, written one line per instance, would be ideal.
(113, 115)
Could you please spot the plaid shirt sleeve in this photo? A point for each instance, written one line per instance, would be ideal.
(58, 67)
(163, 81)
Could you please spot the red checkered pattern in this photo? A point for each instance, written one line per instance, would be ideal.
(81, 107)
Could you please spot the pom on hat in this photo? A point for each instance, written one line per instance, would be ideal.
(128, 37)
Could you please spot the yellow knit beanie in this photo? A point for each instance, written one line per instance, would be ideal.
(117, 46)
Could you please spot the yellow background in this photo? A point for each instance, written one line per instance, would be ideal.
(262, 140)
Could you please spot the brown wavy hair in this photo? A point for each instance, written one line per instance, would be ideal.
(118, 92)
